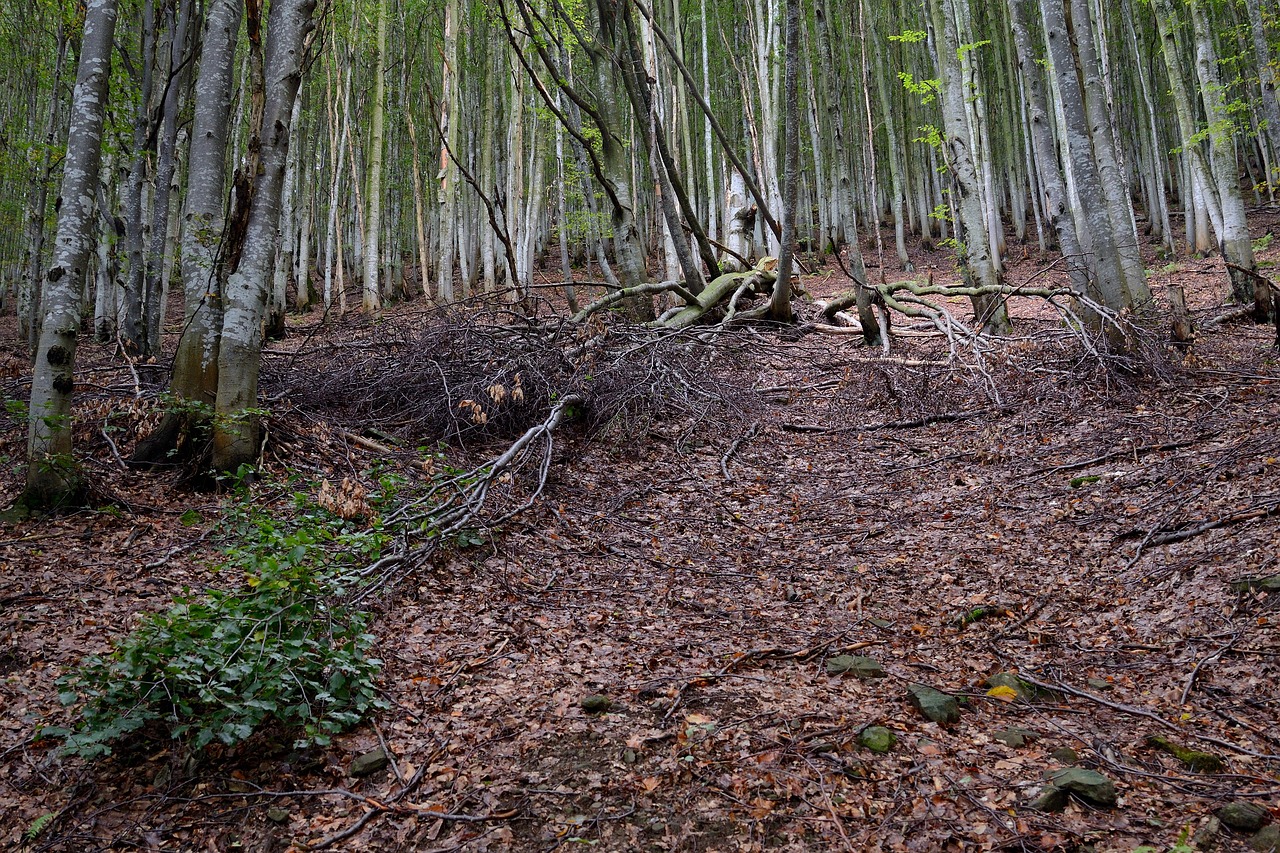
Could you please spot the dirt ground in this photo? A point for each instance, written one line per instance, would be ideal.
(703, 577)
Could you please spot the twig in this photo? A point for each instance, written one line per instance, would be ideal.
(1142, 712)
(1191, 679)
(733, 448)
(1115, 454)
(948, 417)
(386, 750)
(115, 451)
(172, 552)
(1224, 521)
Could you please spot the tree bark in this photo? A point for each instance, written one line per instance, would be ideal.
(236, 429)
(780, 302)
(52, 476)
(974, 248)
(377, 142)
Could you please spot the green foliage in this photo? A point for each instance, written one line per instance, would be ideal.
(964, 49)
(927, 90)
(930, 135)
(281, 649)
(1263, 243)
(909, 36)
(38, 826)
(16, 410)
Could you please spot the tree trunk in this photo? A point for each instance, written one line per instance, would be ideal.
(235, 439)
(974, 249)
(780, 303)
(1237, 248)
(1052, 185)
(377, 141)
(52, 476)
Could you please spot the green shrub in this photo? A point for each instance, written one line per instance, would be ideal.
(281, 649)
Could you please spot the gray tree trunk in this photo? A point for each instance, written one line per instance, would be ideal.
(974, 250)
(51, 472)
(1236, 245)
(235, 438)
(1052, 185)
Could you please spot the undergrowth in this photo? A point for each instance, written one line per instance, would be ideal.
(280, 648)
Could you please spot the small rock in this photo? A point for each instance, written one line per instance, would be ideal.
(1267, 840)
(275, 814)
(1089, 785)
(1015, 737)
(369, 763)
(597, 704)
(1065, 755)
(878, 739)
(1051, 799)
(1023, 690)
(1195, 760)
(934, 704)
(1244, 816)
(859, 665)
(1206, 837)
(1270, 583)
(305, 761)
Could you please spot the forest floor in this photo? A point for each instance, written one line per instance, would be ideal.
(1037, 515)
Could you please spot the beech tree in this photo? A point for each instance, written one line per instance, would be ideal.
(51, 472)
(642, 150)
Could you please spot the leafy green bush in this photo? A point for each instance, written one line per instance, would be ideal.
(281, 649)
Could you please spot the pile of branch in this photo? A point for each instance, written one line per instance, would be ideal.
(464, 377)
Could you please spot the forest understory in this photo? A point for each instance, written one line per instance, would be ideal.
(654, 655)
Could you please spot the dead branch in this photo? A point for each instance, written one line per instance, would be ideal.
(1171, 537)
(1117, 454)
(912, 424)
(457, 504)
(733, 448)
(1060, 687)
(648, 289)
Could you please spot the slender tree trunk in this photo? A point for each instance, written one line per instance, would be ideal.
(236, 429)
(204, 238)
(448, 177)
(1111, 171)
(1106, 273)
(29, 286)
(1266, 79)
(377, 142)
(1200, 200)
(1052, 185)
(52, 476)
(1237, 248)
(780, 303)
(976, 263)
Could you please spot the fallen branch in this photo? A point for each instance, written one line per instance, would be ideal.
(1141, 712)
(464, 498)
(648, 289)
(733, 448)
(1116, 454)
(1224, 521)
(1191, 679)
(913, 424)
